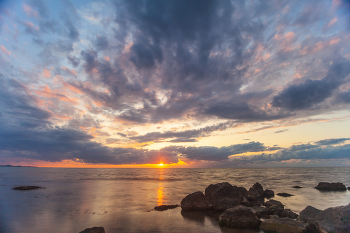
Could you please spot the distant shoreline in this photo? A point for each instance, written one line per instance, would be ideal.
(14, 166)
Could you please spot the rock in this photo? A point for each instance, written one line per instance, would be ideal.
(219, 191)
(253, 195)
(276, 210)
(258, 187)
(287, 213)
(239, 217)
(282, 225)
(309, 214)
(285, 194)
(313, 228)
(94, 230)
(272, 202)
(334, 219)
(325, 186)
(25, 188)
(243, 191)
(261, 211)
(225, 203)
(349, 188)
(297, 187)
(268, 193)
(165, 207)
(195, 201)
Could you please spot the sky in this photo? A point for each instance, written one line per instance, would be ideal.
(132, 83)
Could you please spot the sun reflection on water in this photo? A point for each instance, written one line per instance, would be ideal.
(160, 194)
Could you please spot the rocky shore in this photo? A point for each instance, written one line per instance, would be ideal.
(252, 209)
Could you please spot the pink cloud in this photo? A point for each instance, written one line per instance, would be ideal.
(29, 11)
(5, 50)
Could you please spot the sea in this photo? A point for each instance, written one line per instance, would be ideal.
(123, 199)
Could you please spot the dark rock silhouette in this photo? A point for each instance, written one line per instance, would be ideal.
(272, 202)
(94, 230)
(215, 192)
(25, 188)
(165, 207)
(297, 187)
(240, 217)
(225, 203)
(196, 201)
(269, 193)
(325, 186)
(258, 188)
(285, 194)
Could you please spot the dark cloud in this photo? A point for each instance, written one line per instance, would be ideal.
(40, 6)
(281, 131)
(145, 56)
(73, 60)
(312, 92)
(343, 97)
(332, 141)
(101, 42)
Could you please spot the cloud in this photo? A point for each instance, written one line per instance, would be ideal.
(281, 131)
(332, 141)
(343, 97)
(312, 92)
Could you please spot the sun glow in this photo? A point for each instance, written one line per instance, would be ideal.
(161, 164)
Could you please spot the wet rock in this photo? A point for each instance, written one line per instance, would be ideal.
(269, 193)
(309, 214)
(272, 202)
(165, 207)
(282, 225)
(297, 187)
(94, 230)
(195, 201)
(258, 187)
(240, 217)
(253, 195)
(284, 194)
(325, 186)
(225, 203)
(261, 211)
(25, 188)
(219, 191)
(287, 213)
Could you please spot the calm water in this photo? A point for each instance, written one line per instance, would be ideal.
(121, 200)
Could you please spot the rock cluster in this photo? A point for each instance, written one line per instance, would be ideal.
(94, 230)
(241, 208)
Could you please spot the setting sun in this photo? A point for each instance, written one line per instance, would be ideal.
(161, 164)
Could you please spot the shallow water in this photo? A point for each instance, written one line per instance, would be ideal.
(121, 200)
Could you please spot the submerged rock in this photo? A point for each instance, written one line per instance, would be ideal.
(240, 217)
(325, 186)
(297, 187)
(225, 203)
(25, 188)
(284, 194)
(94, 230)
(165, 207)
(282, 225)
(195, 201)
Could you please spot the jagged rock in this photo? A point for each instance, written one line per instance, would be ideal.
(269, 193)
(297, 187)
(272, 202)
(282, 225)
(325, 186)
(239, 217)
(25, 188)
(219, 191)
(258, 187)
(225, 203)
(94, 230)
(195, 201)
(284, 194)
(287, 213)
(165, 207)
(253, 194)
(309, 214)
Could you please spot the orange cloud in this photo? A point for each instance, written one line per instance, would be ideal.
(69, 71)
(5, 50)
(32, 26)
(46, 73)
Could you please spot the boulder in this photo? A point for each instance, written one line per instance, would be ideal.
(258, 187)
(272, 202)
(287, 213)
(269, 193)
(225, 203)
(261, 211)
(165, 207)
(309, 214)
(253, 195)
(239, 217)
(282, 225)
(243, 191)
(334, 219)
(325, 186)
(219, 191)
(195, 201)
(284, 194)
(94, 230)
